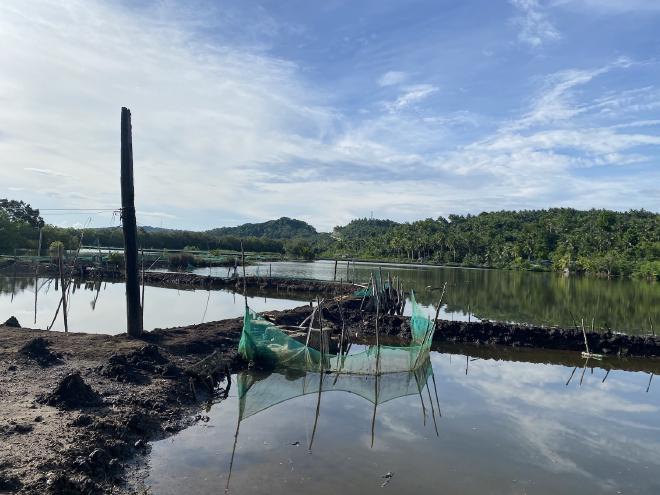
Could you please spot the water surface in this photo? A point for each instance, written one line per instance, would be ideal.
(101, 307)
(505, 427)
(517, 296)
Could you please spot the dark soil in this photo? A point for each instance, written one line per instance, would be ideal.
(72, 393)
(38, 350)
(12, 322)
(78, 424)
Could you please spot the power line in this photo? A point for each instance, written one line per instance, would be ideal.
(79, 209)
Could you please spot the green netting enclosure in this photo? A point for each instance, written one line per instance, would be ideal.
(258, 391)
(269, 345)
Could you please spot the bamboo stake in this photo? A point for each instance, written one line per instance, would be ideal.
(584, 369)
(318, 401)
(233, 451)
(419, 390)
(244, 279)
(586, 344)
(605, 377)
(36, 275)
(64, 288)
(435, 424)
(142, 302)
(373, 418)
(573, 372)
(436, 390)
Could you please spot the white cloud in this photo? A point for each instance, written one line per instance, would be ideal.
(239, 134)
(535, 27)
(411, 95)
(392, 78)
(44, 171)
(610, 6)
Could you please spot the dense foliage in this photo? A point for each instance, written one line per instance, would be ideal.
(595, 241)
(282, 228)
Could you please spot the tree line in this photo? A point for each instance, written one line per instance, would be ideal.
(599, 242)
(596, 241)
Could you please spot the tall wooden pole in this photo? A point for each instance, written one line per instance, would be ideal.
(129, 225)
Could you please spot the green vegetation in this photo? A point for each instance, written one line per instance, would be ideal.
(281, 229)
(600, 242)
(596, 241)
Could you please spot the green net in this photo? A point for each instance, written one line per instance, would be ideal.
(269, 345)
(258, 391)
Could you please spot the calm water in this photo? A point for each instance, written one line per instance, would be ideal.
(505, 427)
(538, 298)
(101, 308)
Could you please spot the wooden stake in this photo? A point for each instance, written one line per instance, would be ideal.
(142, 303)
(244, 278)
(129, 226)
(36, 275)
(63, 288)
(334, 277)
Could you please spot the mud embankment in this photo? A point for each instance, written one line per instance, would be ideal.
(480, 333)
(76, 410)
(185, 280)
(194, 281)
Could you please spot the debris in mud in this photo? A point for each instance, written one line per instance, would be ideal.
(72, 393)
(37, 350)
(388, 477)
(12, 322)
(16, 428)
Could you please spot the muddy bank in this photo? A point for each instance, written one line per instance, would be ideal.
(185, 280)
(284, 285)
(76, 410)
(481, 333)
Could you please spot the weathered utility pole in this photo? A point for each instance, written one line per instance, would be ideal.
(129, 225)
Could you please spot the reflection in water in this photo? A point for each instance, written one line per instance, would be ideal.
(259, 391)
(506, 427)
(537, 298)
(100, 307)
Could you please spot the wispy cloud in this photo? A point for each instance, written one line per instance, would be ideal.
(412, 95)
(534, 24)
(45, 171)
(227, 128)
(392, 78)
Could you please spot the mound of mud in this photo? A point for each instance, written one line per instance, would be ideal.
(72, 393)
(12, 322)
(130, 367)
(37, 350)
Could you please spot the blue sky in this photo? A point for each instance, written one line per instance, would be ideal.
(327, 111)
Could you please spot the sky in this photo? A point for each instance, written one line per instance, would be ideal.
(329, 111)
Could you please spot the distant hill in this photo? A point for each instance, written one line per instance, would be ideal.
(282, 228)
(363, 228)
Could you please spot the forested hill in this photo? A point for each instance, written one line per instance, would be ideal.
(281, 229)
(597, 241)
